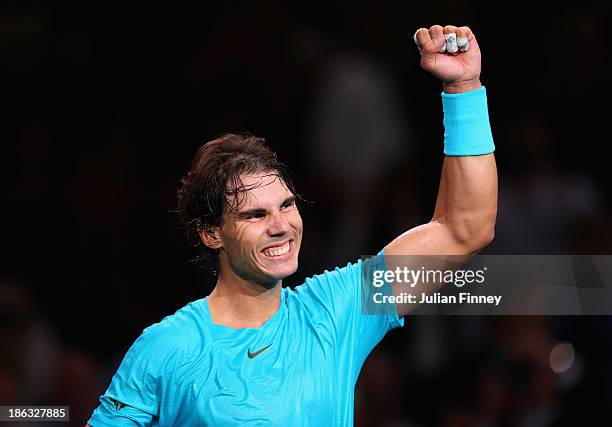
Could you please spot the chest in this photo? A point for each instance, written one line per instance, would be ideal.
(263, 381)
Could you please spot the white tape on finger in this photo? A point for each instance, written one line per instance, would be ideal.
(451, 42)
(463, 44)
(415, 39)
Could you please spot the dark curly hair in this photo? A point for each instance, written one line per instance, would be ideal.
(212, 185)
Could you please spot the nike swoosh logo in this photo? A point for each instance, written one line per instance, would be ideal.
(257, 353)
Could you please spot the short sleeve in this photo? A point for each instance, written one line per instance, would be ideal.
(133, 397)
(336, 298)
(374, 319)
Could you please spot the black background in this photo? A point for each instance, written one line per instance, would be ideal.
(104, 106)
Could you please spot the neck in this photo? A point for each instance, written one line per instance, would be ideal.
(238, 303)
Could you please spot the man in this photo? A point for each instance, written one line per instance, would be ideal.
(256, 353)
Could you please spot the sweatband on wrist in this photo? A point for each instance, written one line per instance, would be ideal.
(467, 131)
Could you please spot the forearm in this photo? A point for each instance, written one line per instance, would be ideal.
(467, 200)
(459, 87)
(440, 209)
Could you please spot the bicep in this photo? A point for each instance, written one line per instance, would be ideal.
(433, 238)
(431, 246)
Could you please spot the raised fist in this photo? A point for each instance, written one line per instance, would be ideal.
(450, 54)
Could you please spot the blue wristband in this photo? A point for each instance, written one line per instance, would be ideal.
(467, 131)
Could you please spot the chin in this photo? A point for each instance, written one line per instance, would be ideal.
(290, 271)
(284, 271)
(268, 273)
(284, 266)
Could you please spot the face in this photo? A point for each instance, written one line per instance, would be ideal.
(260, 242)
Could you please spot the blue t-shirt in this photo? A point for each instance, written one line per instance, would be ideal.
(299, 368)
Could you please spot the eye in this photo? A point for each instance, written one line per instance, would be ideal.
(256, 215)
(288, 204)
(252, 215)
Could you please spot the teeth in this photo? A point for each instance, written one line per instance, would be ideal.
(278, 251)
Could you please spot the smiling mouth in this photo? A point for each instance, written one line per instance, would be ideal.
(277, 251)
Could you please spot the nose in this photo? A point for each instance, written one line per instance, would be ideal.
(278, 225)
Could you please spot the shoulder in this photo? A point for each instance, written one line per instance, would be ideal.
(341, 284)
(336, 276)
(174, 336)
(348, 276)
(157, 359)
(329, 290)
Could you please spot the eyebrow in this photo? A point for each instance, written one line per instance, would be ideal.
(261, 211)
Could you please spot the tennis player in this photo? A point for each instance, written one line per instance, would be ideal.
(256, 353)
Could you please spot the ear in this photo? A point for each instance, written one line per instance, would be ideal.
(211, 237)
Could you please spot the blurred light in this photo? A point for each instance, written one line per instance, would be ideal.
(562, 357)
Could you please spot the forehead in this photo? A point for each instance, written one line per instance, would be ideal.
(262, 191)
